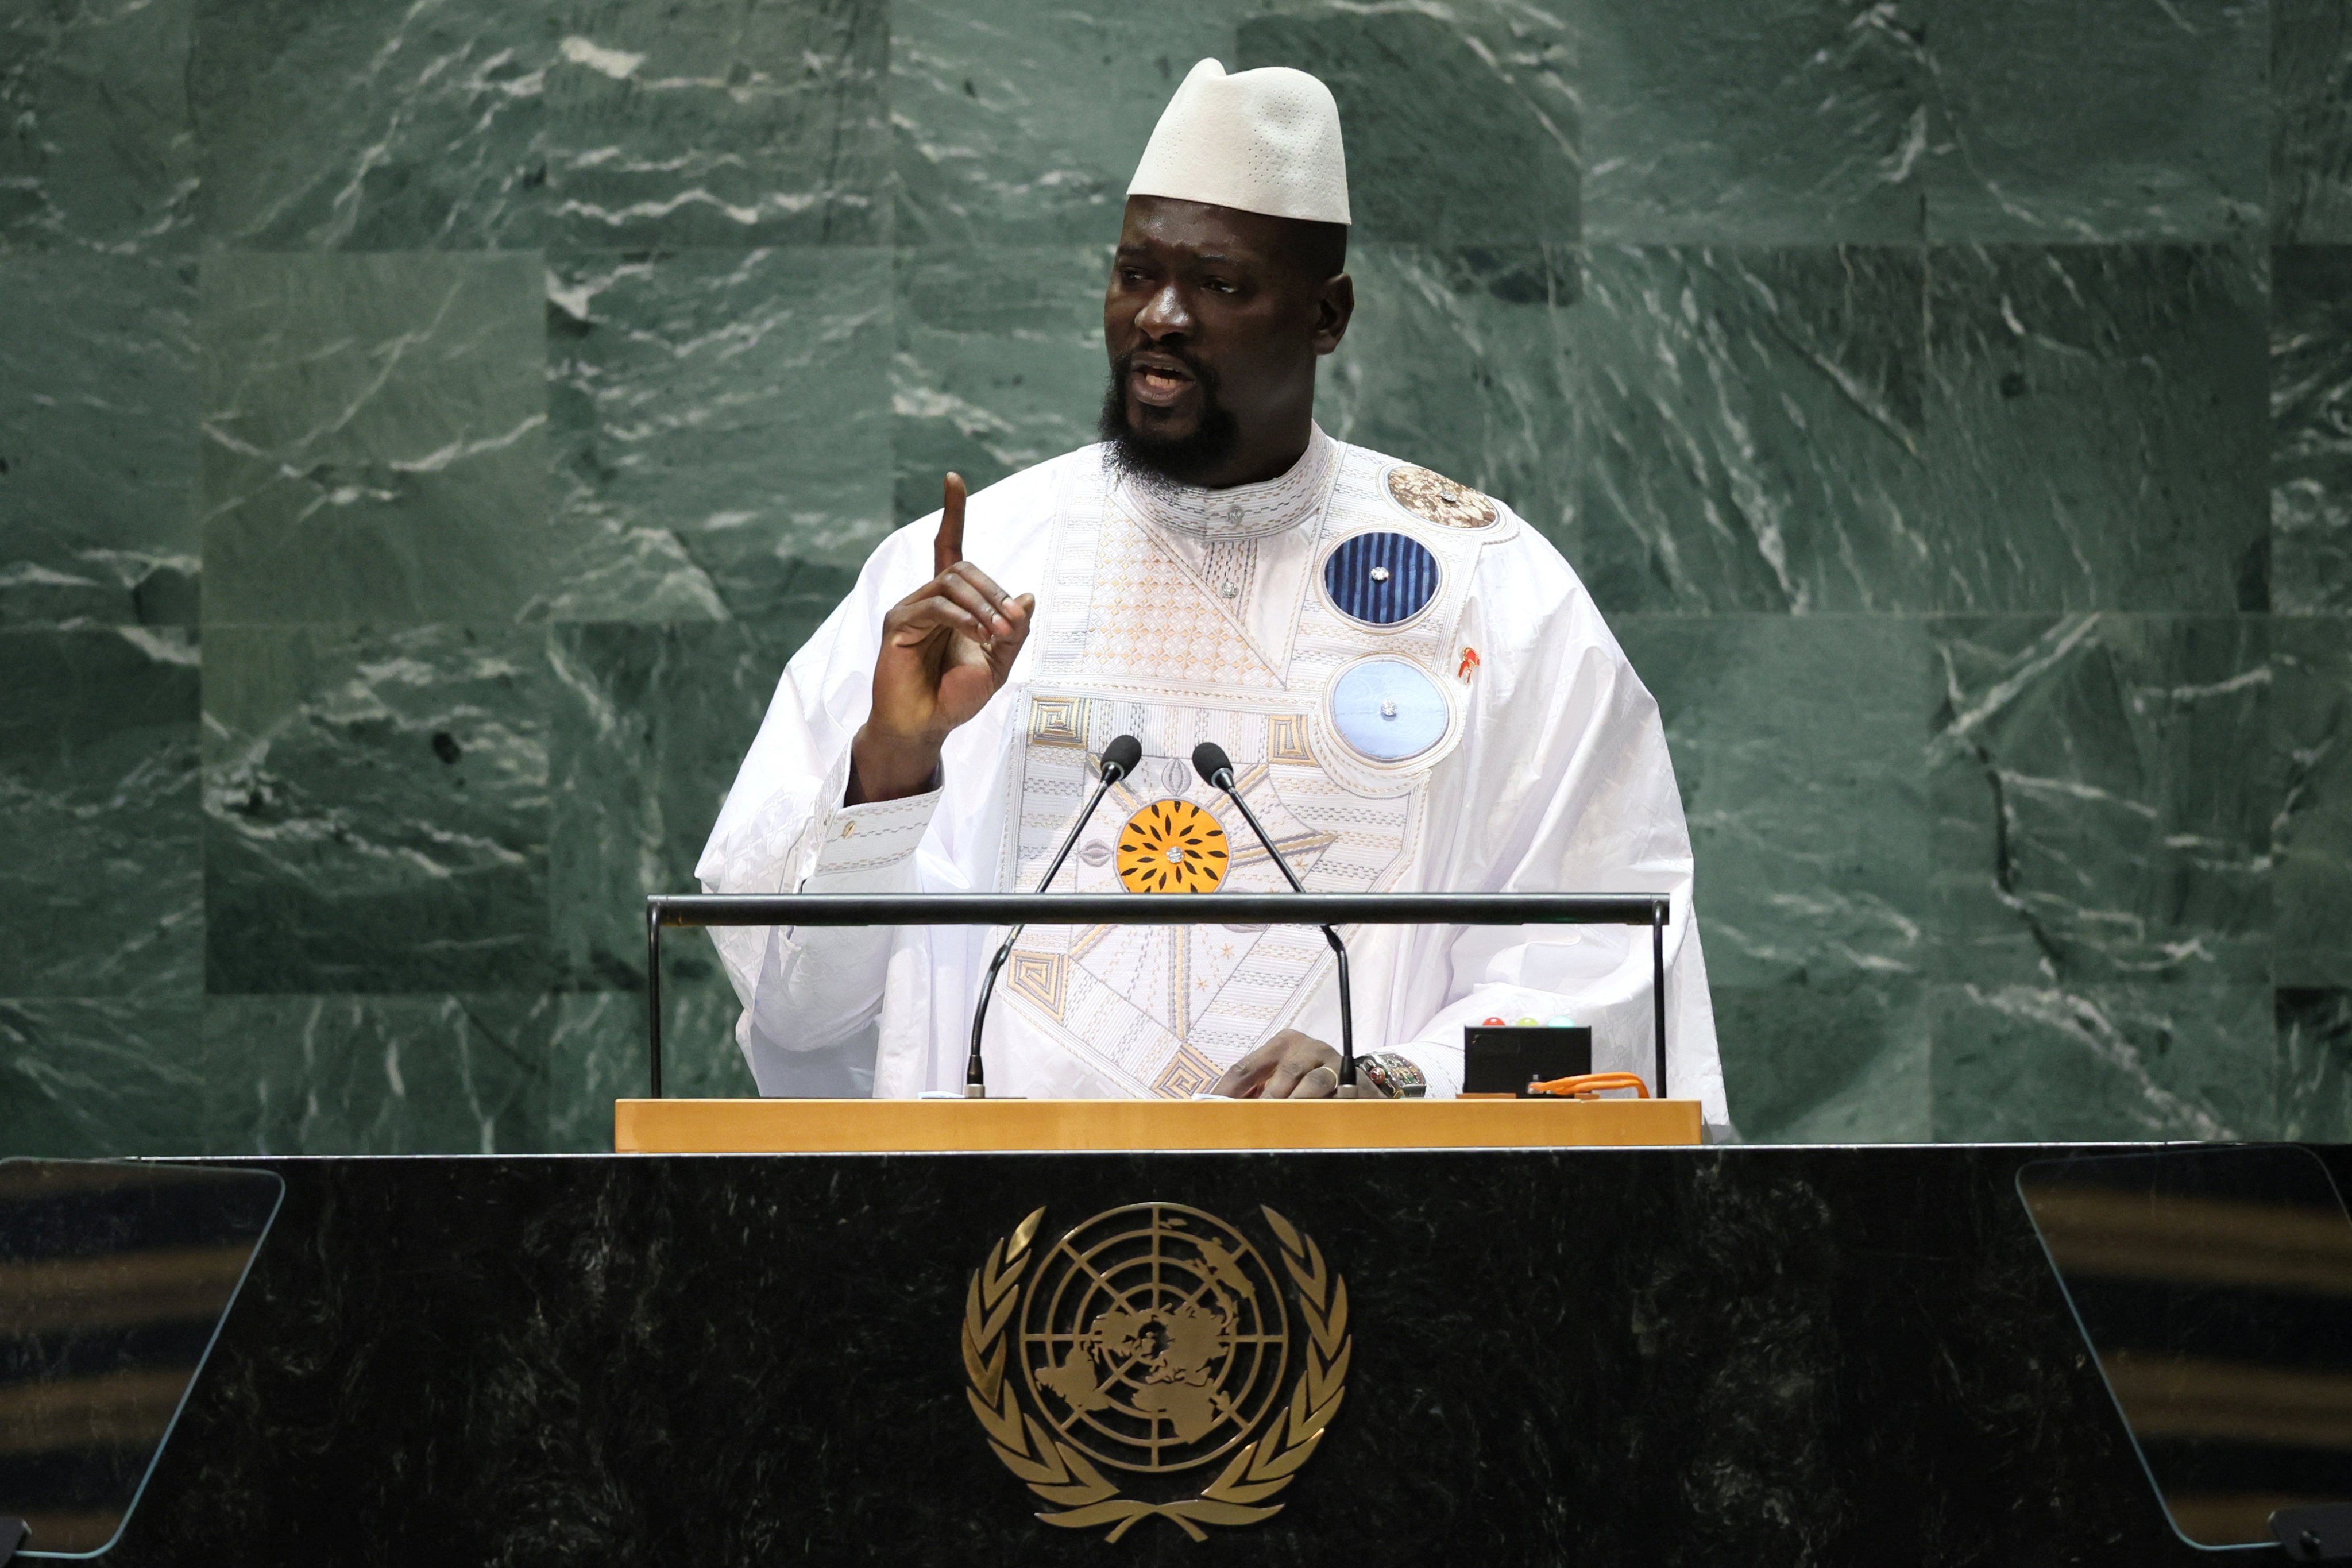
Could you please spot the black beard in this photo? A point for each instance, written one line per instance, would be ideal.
(1178, 460)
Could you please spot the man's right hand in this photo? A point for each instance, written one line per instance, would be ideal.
(946, 649)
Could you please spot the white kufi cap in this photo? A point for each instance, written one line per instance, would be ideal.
(1264, 141)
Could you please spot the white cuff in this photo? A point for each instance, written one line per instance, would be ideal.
(853, 839)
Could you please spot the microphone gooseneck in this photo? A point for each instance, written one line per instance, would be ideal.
(1216, 770)
(1118, 760)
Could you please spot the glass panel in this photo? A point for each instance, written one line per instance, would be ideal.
(2215, 1287)
(114, 1279)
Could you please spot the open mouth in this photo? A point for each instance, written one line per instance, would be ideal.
(1158, 385)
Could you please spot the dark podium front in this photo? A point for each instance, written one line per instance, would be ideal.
(1593, 1356)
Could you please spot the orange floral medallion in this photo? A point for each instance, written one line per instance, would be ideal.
(1171, 847)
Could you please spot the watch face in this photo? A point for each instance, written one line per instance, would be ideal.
(1171, 847)
(1391, 1074)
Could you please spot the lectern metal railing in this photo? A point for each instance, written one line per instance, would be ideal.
(1156, 909)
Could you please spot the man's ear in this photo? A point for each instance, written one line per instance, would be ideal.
(1333, 310)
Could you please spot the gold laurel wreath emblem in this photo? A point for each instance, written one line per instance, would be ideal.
(1082, 1495)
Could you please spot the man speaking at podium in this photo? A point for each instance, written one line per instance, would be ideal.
(1415, 691)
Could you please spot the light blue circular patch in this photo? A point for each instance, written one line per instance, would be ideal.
(1388, 709)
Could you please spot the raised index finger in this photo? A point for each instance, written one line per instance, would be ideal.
(948, 549)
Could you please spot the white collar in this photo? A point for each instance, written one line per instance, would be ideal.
(1242, 512)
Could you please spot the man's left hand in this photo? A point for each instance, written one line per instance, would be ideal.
(1291, 1066)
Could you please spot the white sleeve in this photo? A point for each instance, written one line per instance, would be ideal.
(818, 987)
(783, 829)
(1563, 785)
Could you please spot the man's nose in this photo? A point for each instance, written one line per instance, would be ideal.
(1163, 315)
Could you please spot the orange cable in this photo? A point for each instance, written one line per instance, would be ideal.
(1585, 1086)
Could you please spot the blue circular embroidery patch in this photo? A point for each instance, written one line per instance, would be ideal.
(1388, 709)
(1381, 579)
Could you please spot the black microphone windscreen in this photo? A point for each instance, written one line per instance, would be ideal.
(1118, 758)
(1209, 760)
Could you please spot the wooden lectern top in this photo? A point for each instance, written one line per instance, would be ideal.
(998, 1126)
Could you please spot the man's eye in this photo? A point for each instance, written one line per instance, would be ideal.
(1217, 286)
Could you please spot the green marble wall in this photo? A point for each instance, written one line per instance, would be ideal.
(426, 427)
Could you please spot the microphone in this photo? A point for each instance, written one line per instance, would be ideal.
(1118, 760)
(1216, 770)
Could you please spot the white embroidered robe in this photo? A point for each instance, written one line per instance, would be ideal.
(1184, 616)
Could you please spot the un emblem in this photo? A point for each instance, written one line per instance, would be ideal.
(1154, 1339)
